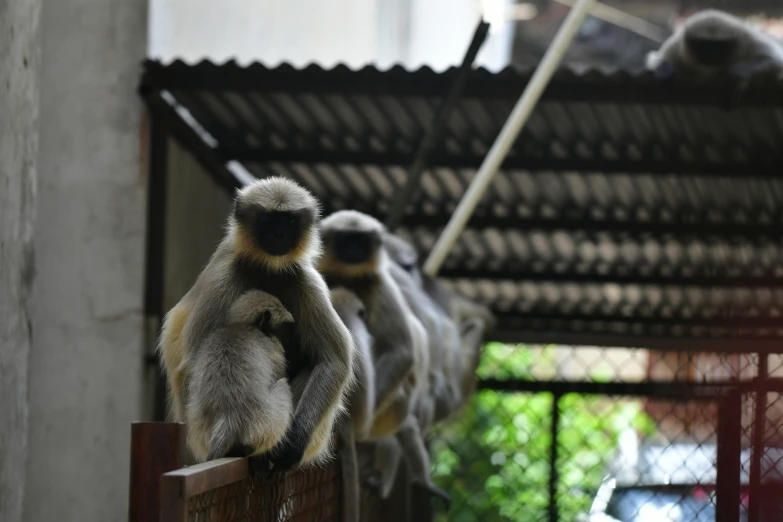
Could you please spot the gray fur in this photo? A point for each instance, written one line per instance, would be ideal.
(387, 315)
(360, 399)
(321, 343)
(754, 52)
(443, 336)
(237, 397)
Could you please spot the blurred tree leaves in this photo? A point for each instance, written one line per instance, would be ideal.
(493, 458)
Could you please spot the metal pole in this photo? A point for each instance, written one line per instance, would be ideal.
(727, 489)
(553, 456)
(508, 134)
(759, 429)
(406, 193)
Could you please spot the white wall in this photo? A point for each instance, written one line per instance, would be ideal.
(86, 358)
(354, 32)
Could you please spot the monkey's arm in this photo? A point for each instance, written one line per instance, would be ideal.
(393, 346)
(329, 346)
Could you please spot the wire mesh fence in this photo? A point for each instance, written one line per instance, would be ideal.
(642, 424)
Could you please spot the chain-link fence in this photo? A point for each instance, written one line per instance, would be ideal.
(635, 436)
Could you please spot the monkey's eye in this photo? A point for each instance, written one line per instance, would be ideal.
(361, 313)
(265, 319)
(409, 267)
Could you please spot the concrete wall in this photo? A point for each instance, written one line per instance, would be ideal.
(196, 212)
(86, 360)
(19, 53)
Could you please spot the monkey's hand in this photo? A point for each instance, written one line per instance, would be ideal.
(288, 453)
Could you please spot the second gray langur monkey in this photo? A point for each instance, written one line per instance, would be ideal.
(712, 42)
(353, 258)
(398, 417)
(271, 243)
(239, 400)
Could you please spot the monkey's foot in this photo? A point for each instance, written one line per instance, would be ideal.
(435, 491)
(258, 466)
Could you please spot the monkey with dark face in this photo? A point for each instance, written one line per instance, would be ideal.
(239, 400)
(353, 258)
(711, 43)
(270, 245)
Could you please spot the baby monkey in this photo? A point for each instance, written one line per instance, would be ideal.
(239, 400)
(710, 43)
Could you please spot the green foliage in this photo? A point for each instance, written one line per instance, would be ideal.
(494, 458)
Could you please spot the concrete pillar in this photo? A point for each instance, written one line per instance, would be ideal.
(19, 51)
(86, 360)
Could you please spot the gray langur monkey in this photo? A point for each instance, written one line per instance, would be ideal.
(355, 258)
(443, 338)
(239, 400)
(463, 326)
(475, 321)
(710, 43)
(360, 399)
(270, 244)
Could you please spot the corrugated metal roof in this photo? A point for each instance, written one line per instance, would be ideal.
(626, 207)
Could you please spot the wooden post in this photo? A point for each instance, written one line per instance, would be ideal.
(727, 495)
(156, 448)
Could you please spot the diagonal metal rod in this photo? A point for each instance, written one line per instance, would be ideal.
(405, 195)
(622, 19)
(508, 134)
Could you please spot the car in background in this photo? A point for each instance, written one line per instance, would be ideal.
(676, 483)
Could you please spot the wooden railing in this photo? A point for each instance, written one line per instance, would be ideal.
(163, 489)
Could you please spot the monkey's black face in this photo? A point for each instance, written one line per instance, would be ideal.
(278, 233)
(354, 248)
(712, 51)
